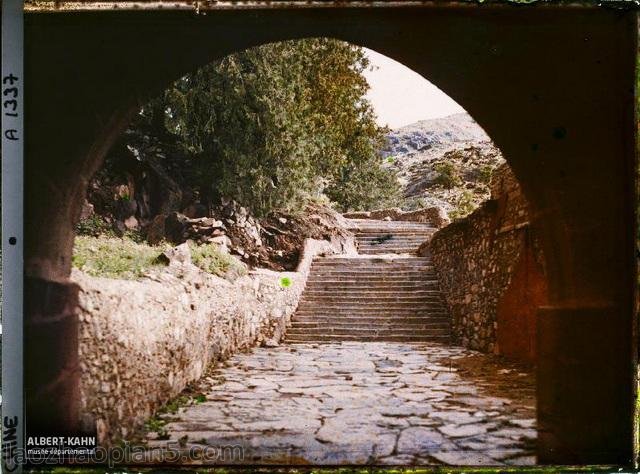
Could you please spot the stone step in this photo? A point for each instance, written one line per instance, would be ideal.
(369, 260)
(362, 261)
(388, 325)
(386, 303)
(324, 332)
(415, 317)
(390, 248)
(367, 290)
(336, 282)
(373, 300)
(374, 234)
(390, 226)
(434, 312)
(380, 277)
(373, 271)
(316, 338)
(371, 236)
(374, 261)
(397, 242)
(356, 284)
(373, 266)
(393, 229)
(389, 302)
(385, 223)
(386, 288)
(417, 328)
(384, 292)
(381, 251)
(340, 310)
(379, 314)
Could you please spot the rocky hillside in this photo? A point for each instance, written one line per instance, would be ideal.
(444, 162)
(144, 193)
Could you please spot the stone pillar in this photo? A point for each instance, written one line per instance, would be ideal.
(51, 357)
(57, 173)
(584, 381)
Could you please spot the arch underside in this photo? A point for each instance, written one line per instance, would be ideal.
(553, 87)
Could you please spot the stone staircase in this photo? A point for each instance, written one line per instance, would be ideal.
(375, 237)
(387, 293)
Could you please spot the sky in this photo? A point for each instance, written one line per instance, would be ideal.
(401, 96)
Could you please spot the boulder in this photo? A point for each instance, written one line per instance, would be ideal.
(178, 255)
(175, 226)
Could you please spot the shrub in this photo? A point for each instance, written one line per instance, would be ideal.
(447, 175)
(466, 205)
(94, 226)
(413, 203)
(485, 172)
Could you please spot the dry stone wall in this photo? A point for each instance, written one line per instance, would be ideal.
(142, 342)
(476, 259)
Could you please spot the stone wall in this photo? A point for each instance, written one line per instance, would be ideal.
(142, 342)
(491, 273)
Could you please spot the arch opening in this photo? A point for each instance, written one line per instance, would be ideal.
(576, 276)
(190, 173)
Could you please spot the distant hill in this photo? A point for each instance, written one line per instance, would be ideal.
(445, 162)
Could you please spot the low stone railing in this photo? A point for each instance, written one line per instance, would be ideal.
(142, 342)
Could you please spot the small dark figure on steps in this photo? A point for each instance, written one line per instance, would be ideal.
(382, 239)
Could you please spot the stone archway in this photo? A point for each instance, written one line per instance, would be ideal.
(552, 86)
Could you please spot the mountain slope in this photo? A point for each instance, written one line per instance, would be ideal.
(443, 162)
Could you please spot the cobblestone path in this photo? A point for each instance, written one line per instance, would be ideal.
(364, 403)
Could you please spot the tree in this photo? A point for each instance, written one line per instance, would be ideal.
(277, 124)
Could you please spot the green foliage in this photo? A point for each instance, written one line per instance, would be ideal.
(485, 172)
(210, 259)
(465, 205)
(113, 257)
(94, 226)
(413, 203)
(158, 425)
(447, 175)
(364, 187)
(276, 125)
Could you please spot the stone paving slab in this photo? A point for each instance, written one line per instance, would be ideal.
(363, 403)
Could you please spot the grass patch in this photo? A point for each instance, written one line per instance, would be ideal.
(111, 257)
(129, 259)
(210, 259)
